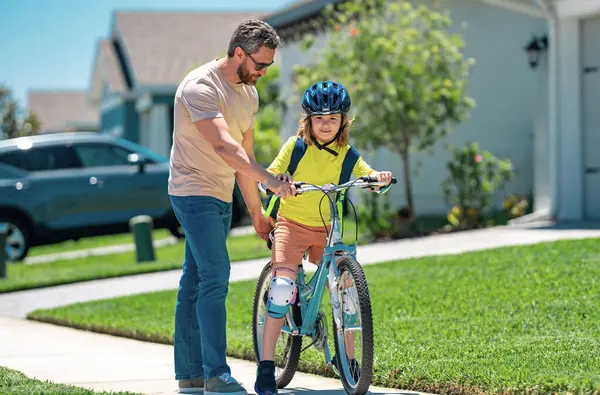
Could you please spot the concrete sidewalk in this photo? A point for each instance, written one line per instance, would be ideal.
(103, 362)
(18, 304)
(108, 363)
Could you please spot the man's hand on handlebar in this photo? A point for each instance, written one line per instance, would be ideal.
(282, 185)
(285, 178)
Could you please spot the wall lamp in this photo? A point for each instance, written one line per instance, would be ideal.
(534, 48)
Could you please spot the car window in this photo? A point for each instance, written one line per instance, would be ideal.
(41, 159)
(14, 159)
(101, 155)
(9, 172)
(151, 156)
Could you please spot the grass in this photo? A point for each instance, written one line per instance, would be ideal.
(14, 382)
(92, 242)
(21, 276)
(511, 320)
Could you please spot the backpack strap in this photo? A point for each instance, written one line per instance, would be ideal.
(347, 166)
(297, 154)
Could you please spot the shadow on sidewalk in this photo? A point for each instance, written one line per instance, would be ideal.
(309, 391)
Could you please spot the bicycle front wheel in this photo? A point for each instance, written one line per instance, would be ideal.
(288, 347)
(353, 333)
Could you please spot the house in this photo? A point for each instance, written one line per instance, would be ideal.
(538, 113)
(137, 69)
(63, 111)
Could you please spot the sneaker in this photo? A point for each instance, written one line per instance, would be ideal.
(224, 384)
(265, 378)
(192, 386)
(354, 368)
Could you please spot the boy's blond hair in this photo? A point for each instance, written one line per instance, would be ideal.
(305, 130)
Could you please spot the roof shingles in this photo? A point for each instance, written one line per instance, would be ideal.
(163, 46)
(112, 66)
(60, 111)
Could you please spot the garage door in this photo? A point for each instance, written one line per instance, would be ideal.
(591, 115)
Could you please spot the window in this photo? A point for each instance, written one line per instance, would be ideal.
(41, 159)
(14, 159)
(102, 155)
(9, 172)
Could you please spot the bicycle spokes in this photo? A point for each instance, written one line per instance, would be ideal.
(349, 336)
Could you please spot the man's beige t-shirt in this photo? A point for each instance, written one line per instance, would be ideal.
(195, 168)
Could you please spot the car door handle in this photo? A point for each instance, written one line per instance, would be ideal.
(20, 185)
(94, 181)
(592, 170)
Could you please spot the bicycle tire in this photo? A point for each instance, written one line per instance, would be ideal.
(295, 342)
(366, 321)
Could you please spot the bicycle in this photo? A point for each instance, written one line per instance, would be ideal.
(351, 305)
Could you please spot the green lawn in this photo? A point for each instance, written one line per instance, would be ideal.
(14, 382)
(21, 276)
(512, 320)
(92, 242)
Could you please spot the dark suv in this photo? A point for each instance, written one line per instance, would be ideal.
(57, 187)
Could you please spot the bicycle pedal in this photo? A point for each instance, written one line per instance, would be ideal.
(335, 370)
(334, 367)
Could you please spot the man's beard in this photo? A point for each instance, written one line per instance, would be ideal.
(245, 77)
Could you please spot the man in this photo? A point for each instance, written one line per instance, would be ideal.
(215, 109)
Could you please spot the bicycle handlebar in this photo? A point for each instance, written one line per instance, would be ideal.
(361, 182)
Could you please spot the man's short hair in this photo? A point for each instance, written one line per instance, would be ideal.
(251, 35)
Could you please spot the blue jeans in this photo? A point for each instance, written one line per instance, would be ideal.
(200, 317)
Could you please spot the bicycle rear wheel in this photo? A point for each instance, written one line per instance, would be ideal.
(288, 348)
(353, 336)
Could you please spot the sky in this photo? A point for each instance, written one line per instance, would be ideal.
(50, 44)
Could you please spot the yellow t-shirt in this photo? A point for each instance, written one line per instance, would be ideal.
(317, 167)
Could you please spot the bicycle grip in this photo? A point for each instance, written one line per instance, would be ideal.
(374, 179)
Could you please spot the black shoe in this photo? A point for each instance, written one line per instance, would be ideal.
(265, 378)
(354, 367)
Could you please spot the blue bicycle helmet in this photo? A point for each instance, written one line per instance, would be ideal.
(326, 97)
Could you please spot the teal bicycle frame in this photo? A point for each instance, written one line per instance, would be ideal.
(310, 294)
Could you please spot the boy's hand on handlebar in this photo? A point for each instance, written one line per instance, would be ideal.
(383, 176)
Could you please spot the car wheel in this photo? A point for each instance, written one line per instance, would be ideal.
(17, 240)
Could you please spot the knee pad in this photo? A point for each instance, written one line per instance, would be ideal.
(282, 293)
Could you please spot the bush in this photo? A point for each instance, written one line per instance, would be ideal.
(375, 216)
(475, 176)
(515, 206)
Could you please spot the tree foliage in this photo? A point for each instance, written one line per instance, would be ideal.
(12, 123)
(405, 72)
(268, 119)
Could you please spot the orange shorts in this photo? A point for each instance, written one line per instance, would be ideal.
(291, 240)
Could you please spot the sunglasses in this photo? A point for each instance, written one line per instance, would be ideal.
(259, 66)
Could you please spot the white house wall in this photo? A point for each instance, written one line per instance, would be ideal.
(506, 90)
(542, 145)
(590, 95)
(570, 138)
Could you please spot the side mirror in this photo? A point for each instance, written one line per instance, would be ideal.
(138, 159)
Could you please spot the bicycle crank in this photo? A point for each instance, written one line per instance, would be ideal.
(320, 336)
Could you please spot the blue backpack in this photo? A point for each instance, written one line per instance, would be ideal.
(299, 149)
